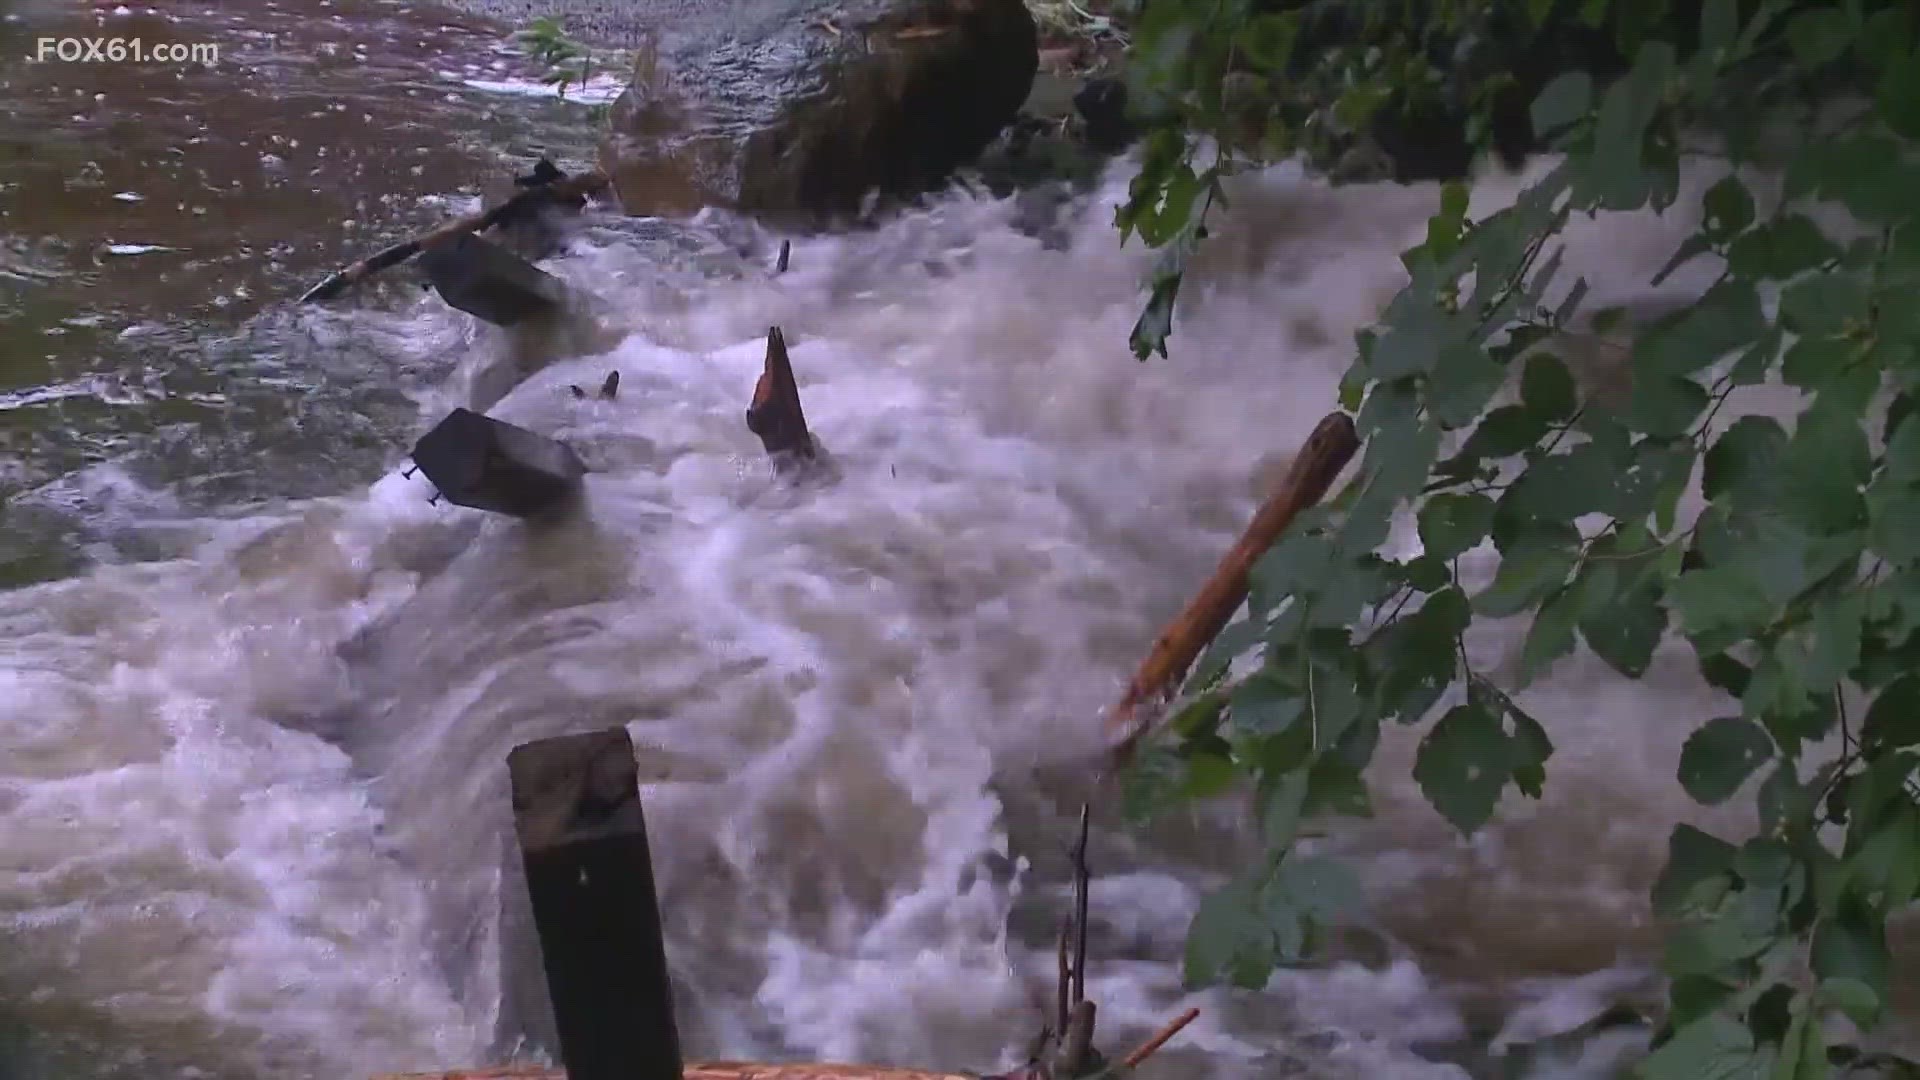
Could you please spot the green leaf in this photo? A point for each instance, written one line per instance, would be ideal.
(1533, 566)
(1263, 704)
(1893, 720)
(1818, 36)
(1803, 1053)
(1744, 463)
(1725, 673)
(1503, 433)
(1727, 318)
(1713, 1048)
(1852, 946)
(1418, 656)
(1698, 871)
(1229, 938)
(1284, 798)
(1208, 775)
(1828, 462)
(1551, 635)
(1719, 604)
(1853, 997)
(1719, 757)
(1719, 25)
(1566, 99)
(1789, 244)
(1824, 304)
(1334, 702)
(1626, 632)
(1451, 524)
(1665, 404)
(1899, 95)
(1728, 207)
(1626, 110)
(1463, 764)
(1317, 887)
(1547, 389)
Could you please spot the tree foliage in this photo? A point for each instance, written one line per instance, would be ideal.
(1797, 587)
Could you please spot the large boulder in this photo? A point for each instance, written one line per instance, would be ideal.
(806, 106)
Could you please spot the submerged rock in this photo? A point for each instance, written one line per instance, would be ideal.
(807, 106)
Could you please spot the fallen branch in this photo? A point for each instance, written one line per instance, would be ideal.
(570, 188)
(1326, 452)
(774, 413)
(1147, 1048)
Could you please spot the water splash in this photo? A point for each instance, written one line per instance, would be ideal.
(257, 818)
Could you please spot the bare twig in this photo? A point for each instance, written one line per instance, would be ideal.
(1063, 991)
(1081, 880)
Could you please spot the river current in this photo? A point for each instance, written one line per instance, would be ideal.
(256, 691)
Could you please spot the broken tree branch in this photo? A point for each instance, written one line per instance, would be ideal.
(775, 414)
(570, 188)
(1147, 1048)
(1325, 453)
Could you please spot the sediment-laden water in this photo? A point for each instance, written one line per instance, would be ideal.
(256, 692)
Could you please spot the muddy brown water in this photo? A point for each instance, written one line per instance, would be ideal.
(153, 216)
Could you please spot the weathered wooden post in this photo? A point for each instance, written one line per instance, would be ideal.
(583, 839)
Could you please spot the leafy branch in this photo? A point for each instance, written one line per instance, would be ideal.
(1797, 586)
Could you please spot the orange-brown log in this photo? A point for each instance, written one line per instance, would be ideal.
(715, 1070)
(1160, 1038)
(775, 414)
(1326, 452)
(569, 189)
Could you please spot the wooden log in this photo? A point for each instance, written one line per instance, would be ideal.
(487, 464)
(775, 414)
(1327, 451)
(583, 840)
(525, 202)
(715, 1070)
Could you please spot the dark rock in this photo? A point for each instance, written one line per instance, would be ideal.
(1102, 105)
(803, 107)
(487, 464)
(491, 283)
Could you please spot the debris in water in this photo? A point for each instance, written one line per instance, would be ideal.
(129, 196)
(608, 389)
(487, 464)
(775, 414)
(580, 187)
(137, 249)
(491, 283)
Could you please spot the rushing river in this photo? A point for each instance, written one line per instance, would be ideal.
(256, 693)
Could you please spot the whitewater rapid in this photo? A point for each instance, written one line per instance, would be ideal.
(255, 817)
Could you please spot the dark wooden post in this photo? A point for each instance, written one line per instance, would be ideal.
(583, 838)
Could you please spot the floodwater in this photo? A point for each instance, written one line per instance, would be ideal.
(256, 692)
